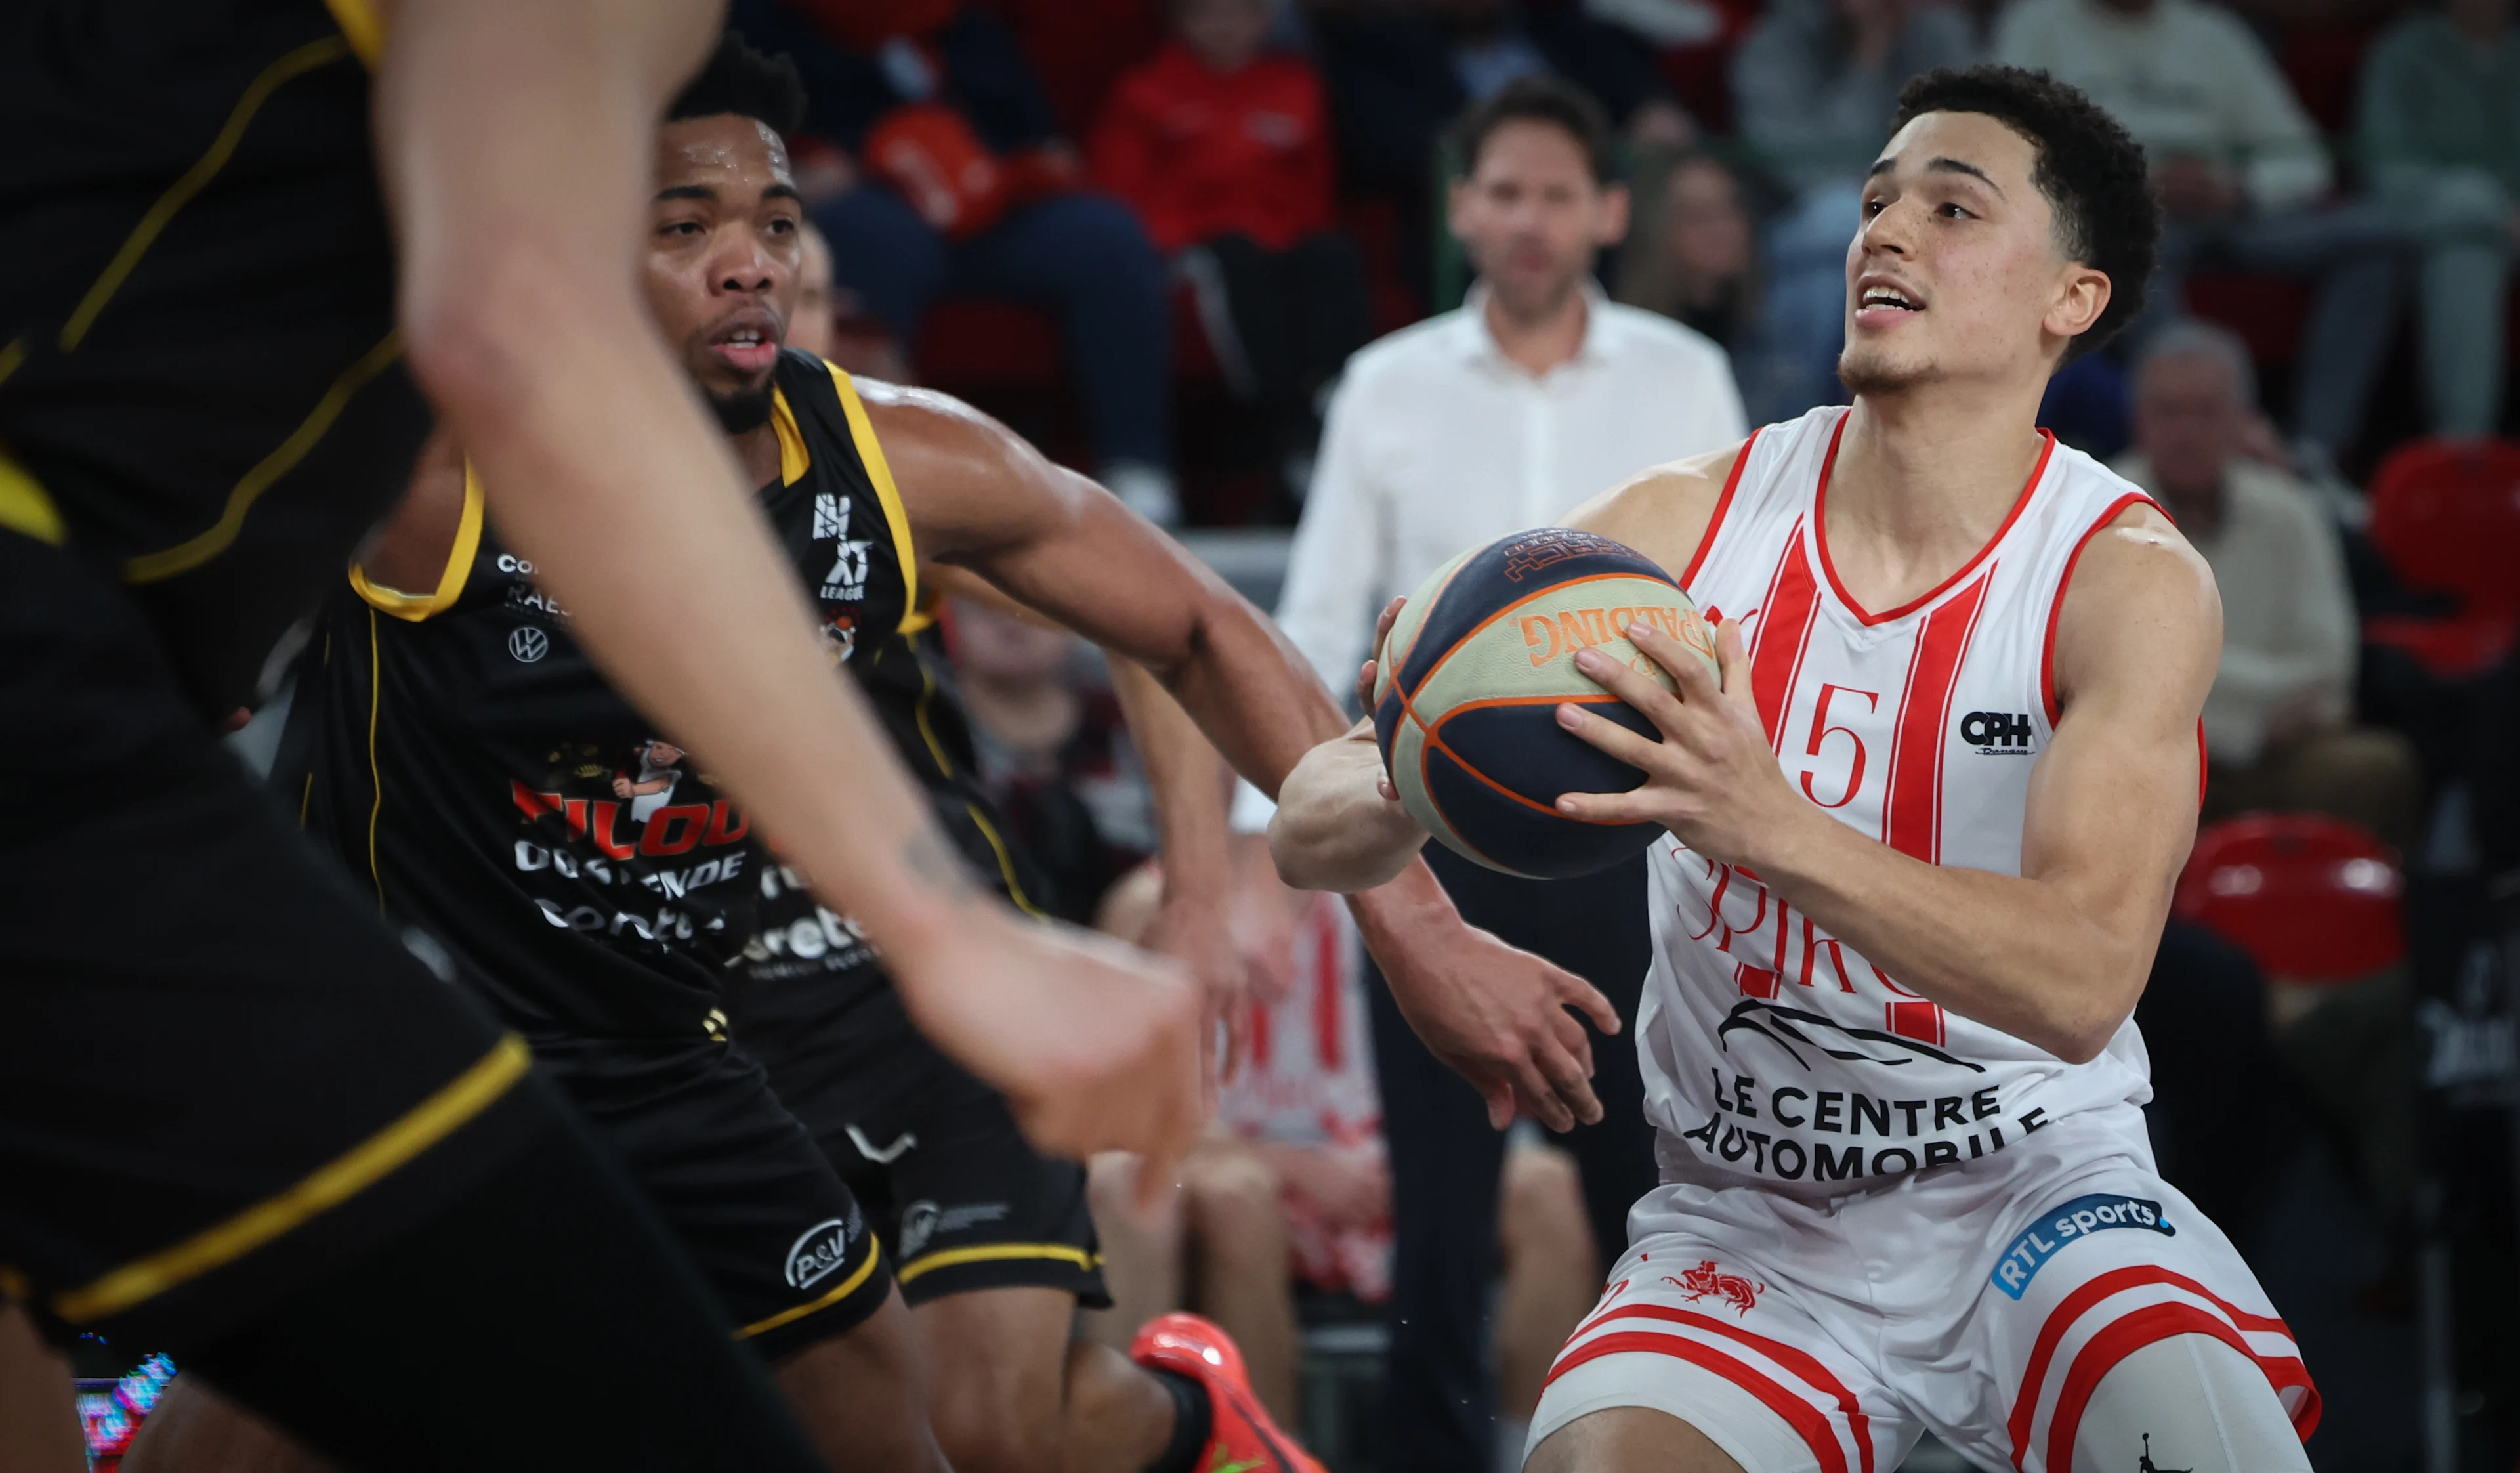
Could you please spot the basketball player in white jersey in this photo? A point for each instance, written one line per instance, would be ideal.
(1920, 849)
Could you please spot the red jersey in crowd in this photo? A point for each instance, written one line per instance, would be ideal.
(1203, 154)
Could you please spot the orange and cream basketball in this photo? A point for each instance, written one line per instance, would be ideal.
(1471, 675)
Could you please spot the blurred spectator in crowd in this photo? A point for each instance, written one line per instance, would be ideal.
(1815, 85)
(955, 180)
(1399, 72)
(2278, 720)
(1696, 260)
(1505, 414)
(1292, 1186)
(2243, 179)
(1053, 752)
(2439, 133)
(1224, 148)
(810, 330)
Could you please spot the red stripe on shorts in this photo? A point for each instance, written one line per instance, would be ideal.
(1801, 1362)
(2076, 1305)
(2134, 1332)
(1805, 1418)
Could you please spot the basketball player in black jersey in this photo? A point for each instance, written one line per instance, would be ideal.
(238, 1117)
(483, 781)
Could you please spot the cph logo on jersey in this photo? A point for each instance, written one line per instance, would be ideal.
(1997, 732)
(1706, 1281)
(846, 581)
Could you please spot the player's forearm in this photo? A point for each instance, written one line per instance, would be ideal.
(518, 161)
(1188, 779)
(1250, 691)
(2017, 954)
(1333, 828)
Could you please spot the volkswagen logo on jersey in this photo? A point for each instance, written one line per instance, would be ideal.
(527, 643)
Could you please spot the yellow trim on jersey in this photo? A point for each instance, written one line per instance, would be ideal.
(11, 357)
(879, 471)
(794, 460)
(150, 568)
(362, 28)
(918, 714)
(1006, 863)
(376, 777)
(328, 1187)
(994, 1252)
(26, 508)
(846, 1287)
(304, 59)
(415, 607)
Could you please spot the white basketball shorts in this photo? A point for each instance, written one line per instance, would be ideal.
(1982, 1301)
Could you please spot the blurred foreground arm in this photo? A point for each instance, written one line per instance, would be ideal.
(516, 144)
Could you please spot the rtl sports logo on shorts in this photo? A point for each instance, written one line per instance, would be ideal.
(1997, 733)
(2079, 1218)
(1706, 1281)
(822, 1252)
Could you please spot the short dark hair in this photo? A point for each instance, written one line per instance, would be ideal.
(1538, 98)
(738, 80)
(2091, 169)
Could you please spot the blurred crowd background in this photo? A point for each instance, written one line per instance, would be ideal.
(1153, 234)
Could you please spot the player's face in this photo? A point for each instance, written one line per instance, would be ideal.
(725, 250)
(1954, 272)
(1531, 217)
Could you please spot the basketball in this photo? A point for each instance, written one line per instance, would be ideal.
(1471, 678)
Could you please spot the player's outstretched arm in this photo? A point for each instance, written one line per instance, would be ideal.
(2055, 957)
(981, 497)
(516, 144)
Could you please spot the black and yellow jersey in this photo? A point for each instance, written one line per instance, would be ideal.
(463, 754)
(201, 391)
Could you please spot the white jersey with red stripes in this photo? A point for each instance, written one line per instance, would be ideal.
(1946, 1229)
(1771, 1050)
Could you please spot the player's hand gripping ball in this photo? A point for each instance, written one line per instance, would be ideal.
(1468, 680)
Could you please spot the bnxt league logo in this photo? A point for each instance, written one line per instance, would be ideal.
(1996, 730)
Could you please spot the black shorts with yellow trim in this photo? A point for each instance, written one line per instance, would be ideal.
(222, 1079)
(738, 1180)
(961, 1198)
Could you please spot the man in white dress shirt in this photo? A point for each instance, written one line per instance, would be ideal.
(1484, 420)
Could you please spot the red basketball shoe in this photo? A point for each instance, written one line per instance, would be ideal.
(1242, 1438)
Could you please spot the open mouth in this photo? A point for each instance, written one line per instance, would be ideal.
(1889, 297)
(746, 346)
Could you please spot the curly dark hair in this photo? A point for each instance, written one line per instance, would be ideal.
(2090, 170)
(738, 80)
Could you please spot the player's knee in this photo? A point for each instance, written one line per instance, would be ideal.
(1233, 1197)
(1620, 1438)
(2186, 1404)
(1541, 1192)
(985, 1425)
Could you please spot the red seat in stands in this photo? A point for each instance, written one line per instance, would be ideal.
(2311, 899)
(2445, 515)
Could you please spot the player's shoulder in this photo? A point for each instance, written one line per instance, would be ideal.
(2139, 598)
(1664, 511)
